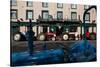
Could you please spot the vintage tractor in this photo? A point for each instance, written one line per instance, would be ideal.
(81, 51)
(93, 36)
(57, 34)
(30, 57)
(90, 36)
(19, 36)
(65, 36)
(46, 36)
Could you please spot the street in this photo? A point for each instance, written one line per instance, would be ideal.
(22, 45)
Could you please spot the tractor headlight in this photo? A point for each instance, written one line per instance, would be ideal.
(54, 35)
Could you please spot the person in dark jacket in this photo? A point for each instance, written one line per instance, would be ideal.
(30, 39)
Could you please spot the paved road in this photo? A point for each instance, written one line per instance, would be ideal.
(22, 45)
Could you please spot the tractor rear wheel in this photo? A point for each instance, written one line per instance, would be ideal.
(65, 36)
(41, 37)
(17, 37)
(92, 36)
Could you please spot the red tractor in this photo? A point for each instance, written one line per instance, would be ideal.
(90, 36)
(47, 36)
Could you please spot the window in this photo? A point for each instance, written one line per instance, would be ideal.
(13, 14)
(45, 14)
(59, 15)
(29, 3)
(59, 5)
(86, 6)
(44, 4)
(87, 17)
(73, 6)
(13, 2)
(29, 14)
(73, 16)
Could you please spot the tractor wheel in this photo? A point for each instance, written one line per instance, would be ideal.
(65, 36)
(17, 37)
(53, 38)
(41, 37)
(92, 36)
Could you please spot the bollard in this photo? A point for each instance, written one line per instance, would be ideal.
(29, 36)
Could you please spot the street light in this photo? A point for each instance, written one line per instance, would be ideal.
(84, 21)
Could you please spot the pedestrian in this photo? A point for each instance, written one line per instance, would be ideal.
(30, 39)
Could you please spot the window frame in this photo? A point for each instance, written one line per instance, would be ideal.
(43, 12)
(15, 4)
(74, 13)
(89, 16)
(86, 6)
(73, 5)
(60, 12)
(45, 4)
(27, 14)
(60, 6)
(16, 13)
(28, 4)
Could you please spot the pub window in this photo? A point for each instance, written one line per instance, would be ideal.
(59, 15)
(44, 4)
(74, 6)
(59, 5)
(45, 14)
(29, 14)
(13, 14)
(29, 3)
(73, 16)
